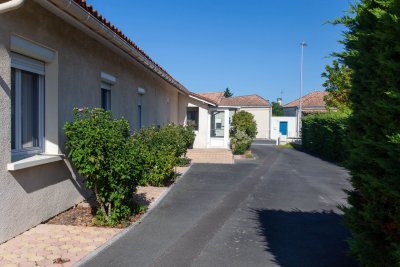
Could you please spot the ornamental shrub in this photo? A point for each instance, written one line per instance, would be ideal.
(244, 121)
(178, 136)
(240, 142)
(98, 147)
(243, 131)
(158, 151)
(325, 134)
(372, 51)
(156, 160)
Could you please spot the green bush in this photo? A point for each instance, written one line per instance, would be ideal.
(243, 131)
(244, 121)
(156, 159)
(113, 163)
(159, 150)
(98, 146)
(178, 136)
(240, 142)
(372, 51)
(325, 134)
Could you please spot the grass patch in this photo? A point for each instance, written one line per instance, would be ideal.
(248, 154)
(291, 145)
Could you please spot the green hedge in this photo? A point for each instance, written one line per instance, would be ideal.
(372, 51)
(325, 134)
(114, 163)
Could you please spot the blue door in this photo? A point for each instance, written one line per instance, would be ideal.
(283, 127)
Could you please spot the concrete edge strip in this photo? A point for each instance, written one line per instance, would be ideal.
(115, 238)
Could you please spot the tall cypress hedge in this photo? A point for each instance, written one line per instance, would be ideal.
(325, 134)
(372, 51)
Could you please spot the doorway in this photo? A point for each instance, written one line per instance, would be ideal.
(283, 127)
(219, 128)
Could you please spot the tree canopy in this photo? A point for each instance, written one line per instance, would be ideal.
(277, 109)
(228, 93)
(338, 85)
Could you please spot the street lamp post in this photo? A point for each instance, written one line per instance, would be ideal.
(302, 44)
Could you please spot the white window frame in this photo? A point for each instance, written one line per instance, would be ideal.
(21, 63)
(105, 86)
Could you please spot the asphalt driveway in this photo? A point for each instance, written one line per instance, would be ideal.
(277, 210)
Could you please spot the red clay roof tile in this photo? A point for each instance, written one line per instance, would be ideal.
(313, 99)
(245, 101)
(214, 96)
(238, 101)
(204, 98)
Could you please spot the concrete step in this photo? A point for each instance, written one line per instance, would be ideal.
(212, 156)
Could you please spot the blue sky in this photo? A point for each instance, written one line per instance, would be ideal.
(249, 46)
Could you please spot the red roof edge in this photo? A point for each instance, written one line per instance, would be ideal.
(112, 27)
(203, 98)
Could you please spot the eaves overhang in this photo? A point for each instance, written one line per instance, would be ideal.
(202, 99)
(85, 18)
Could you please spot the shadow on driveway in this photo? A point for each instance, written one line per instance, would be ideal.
(311, 239)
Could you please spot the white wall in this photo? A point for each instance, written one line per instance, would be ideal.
(292, 126)
(202, 133)
(262, 118)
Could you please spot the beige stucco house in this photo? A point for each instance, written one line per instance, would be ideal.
(56, 55)
(211, 113)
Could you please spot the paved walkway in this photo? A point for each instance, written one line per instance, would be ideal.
(46, 244)
(210, 155)
(277, 210)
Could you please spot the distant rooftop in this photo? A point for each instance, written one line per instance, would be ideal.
(313, 99)
(237, 101)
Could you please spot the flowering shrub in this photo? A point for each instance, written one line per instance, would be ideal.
(240, 142)
(244, 121)
(98, 147)
(113, 162)
(244, 129)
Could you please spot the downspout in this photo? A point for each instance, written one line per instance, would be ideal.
(10, 5)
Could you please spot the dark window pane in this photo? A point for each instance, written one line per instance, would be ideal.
(139, 116)
(29, 109)
(105, 99)
(13, 73)
(193, 117)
